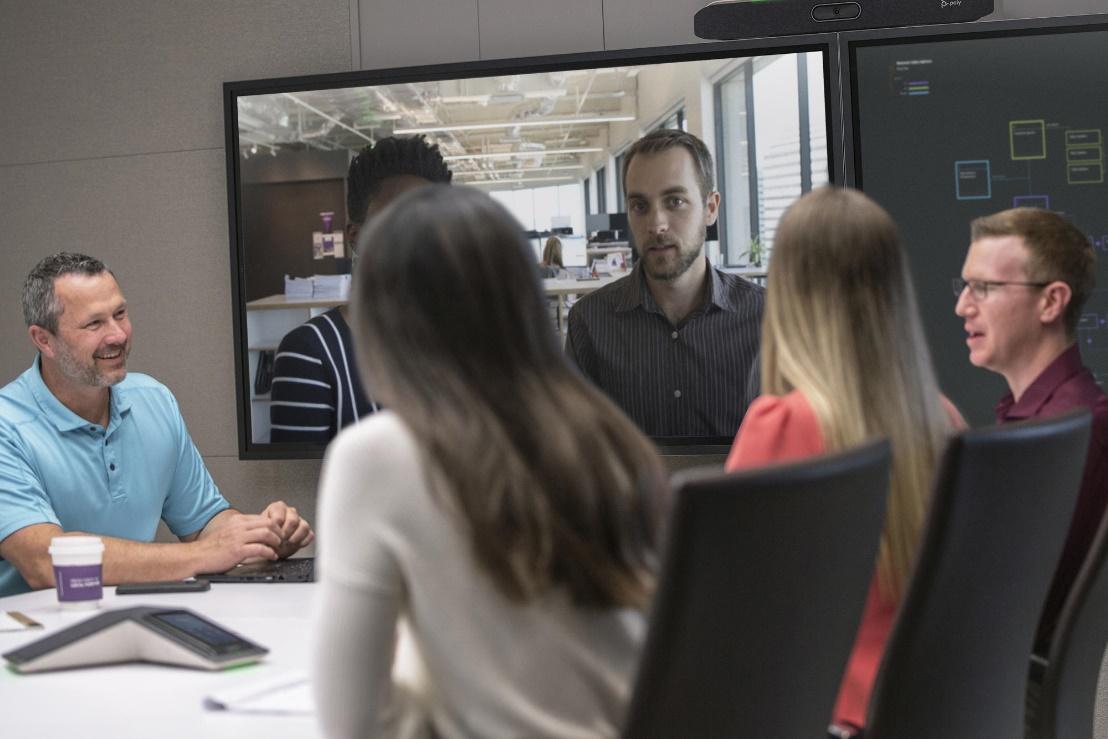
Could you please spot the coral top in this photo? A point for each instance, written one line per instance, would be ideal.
(782, 429)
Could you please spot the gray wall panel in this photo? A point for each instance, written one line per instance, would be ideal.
(112, 77)
(1040, 9)
(511, 28)
(250, 486)
(398, 33)
(159, 220)
(102, 93)
(630, 24)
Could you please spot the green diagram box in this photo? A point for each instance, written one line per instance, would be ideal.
(1084, 137)
(1028, 139)
(1084, 154)
(1085, 174)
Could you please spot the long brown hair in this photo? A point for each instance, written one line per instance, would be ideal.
(552, 253)
(556, 486)
(841, 325)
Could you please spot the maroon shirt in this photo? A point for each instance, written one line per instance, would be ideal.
(1063, 386)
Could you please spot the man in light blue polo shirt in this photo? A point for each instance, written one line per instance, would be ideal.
(86, 447)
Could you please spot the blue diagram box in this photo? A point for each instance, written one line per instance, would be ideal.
(973, 180)
(1088, 322)
(1031, 201)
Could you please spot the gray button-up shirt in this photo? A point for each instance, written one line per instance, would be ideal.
(693, 379)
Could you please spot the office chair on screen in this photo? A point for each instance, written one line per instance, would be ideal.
(956, 662)
(1067, 696)
(762, 589)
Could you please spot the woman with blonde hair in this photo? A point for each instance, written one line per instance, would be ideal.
(551, 264)
(844, 359)
(502, 506)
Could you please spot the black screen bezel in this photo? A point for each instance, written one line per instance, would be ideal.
(826, 43)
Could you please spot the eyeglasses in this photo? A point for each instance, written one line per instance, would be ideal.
(979, 289)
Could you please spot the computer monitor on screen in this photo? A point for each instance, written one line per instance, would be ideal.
(573, 251)
(596, 222)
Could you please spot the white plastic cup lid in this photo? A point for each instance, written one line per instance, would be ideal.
(76, 545)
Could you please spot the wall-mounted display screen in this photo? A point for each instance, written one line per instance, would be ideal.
(952, 127)
(544, 136)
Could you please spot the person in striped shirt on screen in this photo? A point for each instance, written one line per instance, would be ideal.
(316, 387)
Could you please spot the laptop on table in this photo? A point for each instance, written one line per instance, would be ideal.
(300, 569)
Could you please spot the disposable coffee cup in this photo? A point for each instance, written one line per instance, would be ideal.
(78, 562)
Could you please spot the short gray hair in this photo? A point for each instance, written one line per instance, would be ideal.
(40, 304)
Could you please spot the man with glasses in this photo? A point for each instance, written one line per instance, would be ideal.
(1025, 280)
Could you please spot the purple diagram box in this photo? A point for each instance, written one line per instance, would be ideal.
(973, 180)
(1088, 322)
(1031, 201)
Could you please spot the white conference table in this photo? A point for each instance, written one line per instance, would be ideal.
(141, 701)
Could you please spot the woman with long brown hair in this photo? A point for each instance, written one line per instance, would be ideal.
(844, 359)
(551, 264)
(501, 506)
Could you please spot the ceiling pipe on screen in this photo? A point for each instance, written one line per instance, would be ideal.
(515, 124)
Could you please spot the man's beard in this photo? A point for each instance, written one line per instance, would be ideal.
(89, 374)
(673, 269)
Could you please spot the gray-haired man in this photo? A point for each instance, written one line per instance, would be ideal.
(86, 447)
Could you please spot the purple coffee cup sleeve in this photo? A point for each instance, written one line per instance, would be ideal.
(79, 582)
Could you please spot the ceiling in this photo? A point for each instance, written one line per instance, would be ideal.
(500, 131)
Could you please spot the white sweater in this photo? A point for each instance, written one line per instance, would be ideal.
(387, 550)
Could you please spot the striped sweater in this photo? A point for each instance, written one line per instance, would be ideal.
(316, 387)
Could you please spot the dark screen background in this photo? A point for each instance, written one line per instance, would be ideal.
(924, 107)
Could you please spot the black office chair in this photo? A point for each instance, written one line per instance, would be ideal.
(1067, 693)
(956, 662)
(762, 589)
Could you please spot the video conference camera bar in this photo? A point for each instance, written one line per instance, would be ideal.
(741, 19)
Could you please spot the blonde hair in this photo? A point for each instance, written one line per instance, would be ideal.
(842, 327)
(552, 252)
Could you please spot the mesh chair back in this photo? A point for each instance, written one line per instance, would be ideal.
(1067, 699)
(956, 662)
(761, 593)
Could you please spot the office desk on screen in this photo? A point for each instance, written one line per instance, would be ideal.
(573, 286)
(140, 701)
(559, 288)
